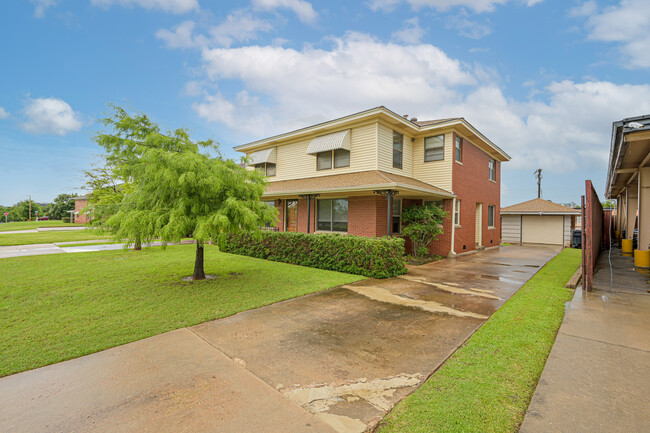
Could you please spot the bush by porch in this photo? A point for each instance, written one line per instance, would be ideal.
(371, 257)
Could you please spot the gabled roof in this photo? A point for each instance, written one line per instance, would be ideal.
(539, 206)
(353, 182)
(389, 116)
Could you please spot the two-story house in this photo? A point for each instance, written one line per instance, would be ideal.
(355, 174)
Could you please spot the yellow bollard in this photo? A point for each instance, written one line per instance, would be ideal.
(626, 246)
(641, 258)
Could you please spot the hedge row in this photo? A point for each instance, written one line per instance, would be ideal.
(372, 257)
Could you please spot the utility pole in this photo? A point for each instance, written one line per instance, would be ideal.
(538, 175)
(30, 208)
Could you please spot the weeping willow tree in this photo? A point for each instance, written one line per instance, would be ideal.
(176, 188)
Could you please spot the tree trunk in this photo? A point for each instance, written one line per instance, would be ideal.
(199, 274)
(137, 245)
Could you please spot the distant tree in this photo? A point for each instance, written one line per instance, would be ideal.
(609, 204)
(175, 190)
(61, 205)
(20, 211)
(422, 224)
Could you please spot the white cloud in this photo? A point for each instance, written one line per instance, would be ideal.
(3, 113)
(358, 72)
(181, 37)
(565, 127)
(466, 27)
(411, 33)
(41, 7)
(626, 24)
(443, 5)
(240, 26)
(170, 6)
(50, 116)
(586, 9)
(303, 9)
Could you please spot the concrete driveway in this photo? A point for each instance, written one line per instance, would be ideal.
(334, 361)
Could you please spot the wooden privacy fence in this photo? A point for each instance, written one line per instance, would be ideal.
(592, 234)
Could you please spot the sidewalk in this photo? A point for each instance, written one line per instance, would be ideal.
(597, 377)
(60, 247)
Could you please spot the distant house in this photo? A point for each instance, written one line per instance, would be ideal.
(355, 174)
(538, 221)
(80, 203)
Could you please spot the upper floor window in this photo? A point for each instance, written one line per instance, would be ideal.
(266, 168)
(493, 171)
(491, 213)
(397, 215)
(459, 149)
(340, 157)
(434, 148)
(398, 144)
(332, 215)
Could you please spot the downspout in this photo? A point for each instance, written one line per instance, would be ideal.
(453, 228)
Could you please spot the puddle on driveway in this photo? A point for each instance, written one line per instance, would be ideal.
(383, 295)
(319, 398)
(451, 288)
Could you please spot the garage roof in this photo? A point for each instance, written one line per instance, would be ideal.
(538, 206)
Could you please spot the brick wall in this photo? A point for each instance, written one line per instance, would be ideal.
(80, 218)
(367, 215)
(472, 185)
(442, 245)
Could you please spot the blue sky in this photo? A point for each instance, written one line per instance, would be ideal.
(543, 79)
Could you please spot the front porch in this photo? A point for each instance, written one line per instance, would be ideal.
(362, 204)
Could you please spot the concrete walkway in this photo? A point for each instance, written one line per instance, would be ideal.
(597, 377)
(334, 361)
(44, 229)
(60, 247)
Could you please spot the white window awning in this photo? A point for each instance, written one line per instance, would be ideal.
(336, 140)
(262, 156)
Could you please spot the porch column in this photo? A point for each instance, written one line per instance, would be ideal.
(388, 193)
(308, 197)
(644, 208)
(632, 207)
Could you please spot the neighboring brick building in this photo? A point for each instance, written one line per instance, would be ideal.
(342, 175)
(80, 203)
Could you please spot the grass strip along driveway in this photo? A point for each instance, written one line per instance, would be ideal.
(57, 307)
(487, 384)
(50, 237)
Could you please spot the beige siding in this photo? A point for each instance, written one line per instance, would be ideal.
(385, 151)
(294, 163)
(543, 229)
(437, 173)
(567, 230)
(510, 228)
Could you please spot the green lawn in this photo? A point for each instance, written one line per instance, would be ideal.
(487, 384)
(61, 306)
(31, 225)
(50, 237)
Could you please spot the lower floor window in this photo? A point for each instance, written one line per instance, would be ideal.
(457, 213)
(332, 215)
(397, 215)
(491, 210)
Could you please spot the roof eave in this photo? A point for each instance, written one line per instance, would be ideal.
(361, 188)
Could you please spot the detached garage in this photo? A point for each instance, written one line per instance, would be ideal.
(538, 221)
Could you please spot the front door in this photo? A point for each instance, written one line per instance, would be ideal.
(479, 225)
(292, 216)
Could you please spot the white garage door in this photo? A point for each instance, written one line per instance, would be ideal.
(543, 229)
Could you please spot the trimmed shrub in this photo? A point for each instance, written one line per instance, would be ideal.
(66, 220)
(372, 257)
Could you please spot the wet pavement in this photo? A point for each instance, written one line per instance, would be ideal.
(341, 358)
(597, 377)
(61, 247)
